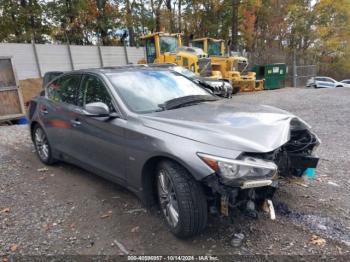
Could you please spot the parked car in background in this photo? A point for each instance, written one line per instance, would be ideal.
(219, 87)
(346, 82)
(170, 141)
(323, 82)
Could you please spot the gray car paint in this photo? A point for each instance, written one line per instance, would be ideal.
(119, 148)
(248, 128)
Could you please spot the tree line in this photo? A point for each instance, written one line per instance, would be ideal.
(318, 30)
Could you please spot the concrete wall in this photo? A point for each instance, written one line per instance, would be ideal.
(32, 61)
(24, 59)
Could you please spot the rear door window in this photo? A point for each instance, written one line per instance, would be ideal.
(50, 76)
(328, 80)
(65, 89)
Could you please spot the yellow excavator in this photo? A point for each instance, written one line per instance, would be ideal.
(231, 68)
(167, 48)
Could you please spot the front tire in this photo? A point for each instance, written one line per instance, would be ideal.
(181, 200)
(42, 146)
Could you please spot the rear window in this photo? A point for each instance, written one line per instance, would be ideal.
(49, 76)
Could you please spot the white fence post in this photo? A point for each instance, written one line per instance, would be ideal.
(70, 57)
(126, 53)
(100, 55)
(36, 58)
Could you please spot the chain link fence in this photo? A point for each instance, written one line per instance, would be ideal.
(303, 73)
(299, 68)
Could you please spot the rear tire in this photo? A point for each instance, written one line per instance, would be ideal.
(181, 200)
(42, 145)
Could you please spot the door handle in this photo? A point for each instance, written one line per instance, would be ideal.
(75, 122)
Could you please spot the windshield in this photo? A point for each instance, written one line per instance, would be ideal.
(214, 48)
(168, 44)
(145, 91)
(184, 71)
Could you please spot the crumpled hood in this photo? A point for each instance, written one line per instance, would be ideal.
(241, 127)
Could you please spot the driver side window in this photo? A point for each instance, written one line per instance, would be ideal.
(93, 90)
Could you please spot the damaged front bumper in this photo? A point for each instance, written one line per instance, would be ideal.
(247, 196)
(247, 192)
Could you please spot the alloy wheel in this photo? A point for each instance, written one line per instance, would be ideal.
(167, 198)
(41, 144)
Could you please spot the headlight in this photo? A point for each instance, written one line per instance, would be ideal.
(246, 167)
(215, 83)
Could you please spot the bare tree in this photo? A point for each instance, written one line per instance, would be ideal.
(155, 6)
(129, 21)
(234, 25)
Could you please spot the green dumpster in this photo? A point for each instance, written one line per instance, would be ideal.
(274, 75)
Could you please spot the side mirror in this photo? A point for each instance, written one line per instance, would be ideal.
(97, 109)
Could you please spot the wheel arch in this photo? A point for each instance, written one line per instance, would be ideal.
(33, 124)
(148, 177)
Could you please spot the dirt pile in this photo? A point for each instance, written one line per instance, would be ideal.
(30, 88)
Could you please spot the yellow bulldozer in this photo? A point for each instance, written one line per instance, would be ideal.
(167, 48)
(231, 68)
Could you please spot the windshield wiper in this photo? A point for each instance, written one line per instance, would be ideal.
(186, 100)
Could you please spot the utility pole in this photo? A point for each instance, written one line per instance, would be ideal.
(295, 74)
(234, 28)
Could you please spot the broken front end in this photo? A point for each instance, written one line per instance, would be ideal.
(251, 180)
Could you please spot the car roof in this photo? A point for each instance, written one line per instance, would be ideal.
(327, 77)
(164, 65)
(117, 69)
(108, 70)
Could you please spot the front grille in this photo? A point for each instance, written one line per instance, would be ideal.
(241, 66)
(204, 66)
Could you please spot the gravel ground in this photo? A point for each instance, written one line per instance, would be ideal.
(66, 210)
